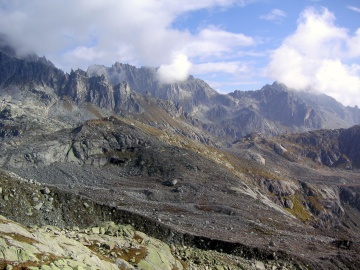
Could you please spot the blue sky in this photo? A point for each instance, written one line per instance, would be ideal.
(311, 45)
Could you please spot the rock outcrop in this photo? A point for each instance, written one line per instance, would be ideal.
(333, 148)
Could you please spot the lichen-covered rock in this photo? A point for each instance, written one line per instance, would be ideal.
(107, 246)
(158, 256)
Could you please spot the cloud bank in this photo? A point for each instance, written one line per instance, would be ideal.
(78, 33)
(319, 56)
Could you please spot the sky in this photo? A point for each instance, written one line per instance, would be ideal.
(311, 45)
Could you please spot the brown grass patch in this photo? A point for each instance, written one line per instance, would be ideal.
(21, 238)
(133, 255)
(67, 104)
(93, 110)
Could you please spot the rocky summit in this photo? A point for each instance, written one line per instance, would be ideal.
(111, 169)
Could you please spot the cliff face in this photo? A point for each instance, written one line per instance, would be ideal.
(96, 90)
(189, 94)
(30, 70)
(331, 148)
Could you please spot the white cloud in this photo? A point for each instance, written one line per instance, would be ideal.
(274, 15)
(178, 70)
(356, 9)
(319, 56)
(213, 42)
(339, 81)
(78, 33)
(353, 45)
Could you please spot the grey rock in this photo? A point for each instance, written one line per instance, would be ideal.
(259, 265)
(38, 206)
(272, 244)
(279, 149)
(95, 230)
(45, 190)
(257, 157)
(289, 204)
(171, 183)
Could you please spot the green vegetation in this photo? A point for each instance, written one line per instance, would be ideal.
(299, 210)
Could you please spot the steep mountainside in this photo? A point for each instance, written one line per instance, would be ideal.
(333, 148)
(190, 93)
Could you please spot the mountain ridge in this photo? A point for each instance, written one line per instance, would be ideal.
(272, 110)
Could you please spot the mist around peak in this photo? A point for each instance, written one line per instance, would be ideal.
(178, 70)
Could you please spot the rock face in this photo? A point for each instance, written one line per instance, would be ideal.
(333, 148)
(190, 93)
(30, 70)
(286, 110)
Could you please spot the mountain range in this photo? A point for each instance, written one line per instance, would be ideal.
(121, 90)
(267, 175)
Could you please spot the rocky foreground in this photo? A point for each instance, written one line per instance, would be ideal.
(104, 245)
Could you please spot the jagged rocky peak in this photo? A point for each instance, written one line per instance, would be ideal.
(27, 70)
(119, 72)
(75, 85)
(284, 105)
(7, 49)
(189, 93)
(290, 107)
(97, 90)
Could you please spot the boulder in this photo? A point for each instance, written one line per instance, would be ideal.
(279, 149)
(45, 190)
